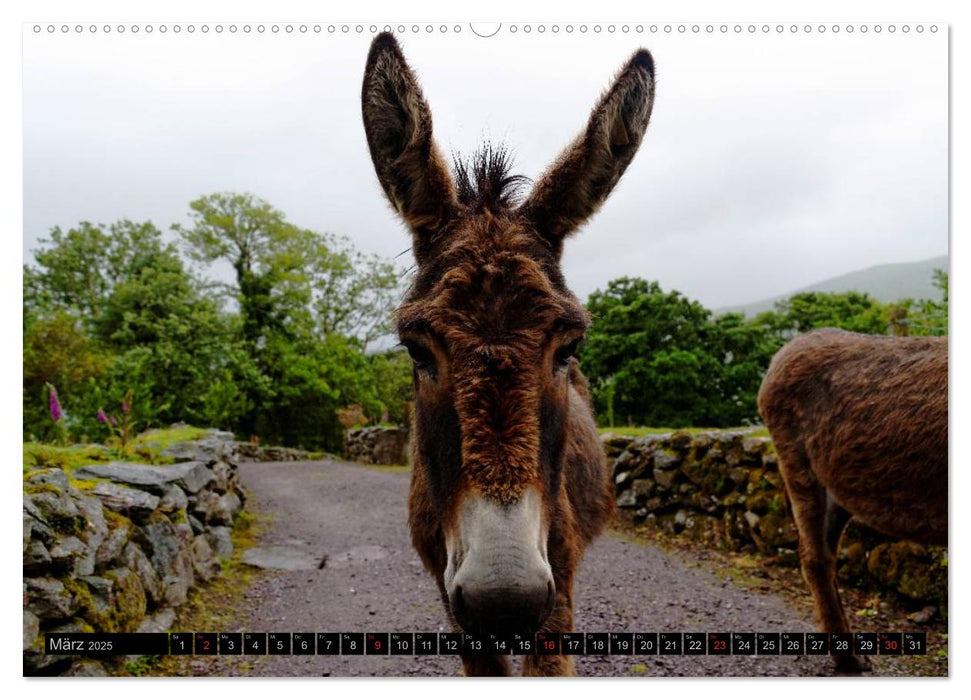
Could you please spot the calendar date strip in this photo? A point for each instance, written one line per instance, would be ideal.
(453, 643)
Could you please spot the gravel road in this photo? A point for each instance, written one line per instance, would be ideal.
(341, 530)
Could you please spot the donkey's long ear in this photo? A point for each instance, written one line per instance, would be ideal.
(398, 124)
(582, 177)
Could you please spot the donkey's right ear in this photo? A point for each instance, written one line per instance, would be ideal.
(398, 124)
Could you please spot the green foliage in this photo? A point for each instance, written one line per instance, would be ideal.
(850, 311)
(394, 383)
(275, 353)
(657, 358)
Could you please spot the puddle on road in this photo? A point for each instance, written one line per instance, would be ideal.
(295, 558)
(280, 557)
(357, 555)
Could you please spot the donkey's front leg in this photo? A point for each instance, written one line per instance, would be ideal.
(484, 665)
(560, 620)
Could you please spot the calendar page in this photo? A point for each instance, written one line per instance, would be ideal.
(437, 348)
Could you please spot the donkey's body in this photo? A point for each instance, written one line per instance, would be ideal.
(860, 426)
(509, 480)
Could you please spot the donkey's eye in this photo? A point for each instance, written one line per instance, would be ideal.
(563, 355)
(421, 356)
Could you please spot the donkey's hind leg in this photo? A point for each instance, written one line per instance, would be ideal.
(820, 522)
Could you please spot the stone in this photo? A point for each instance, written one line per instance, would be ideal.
(54, 507)
(190, 476)
(95, 532)
(136, 560)
(35, 525)
(173, 500)
(207, 450)
(627, 499)
(132, 503)
(222, 477)
(161, 621)
(665, 478)
(161, 544)
(221, 541)
(665, 460)
(224, 509)
(621, 477)
(49, 477)
(751, 518)
(202, 504)
(37, 662)
(195, 524)
(680, 440)
(113, 545)
(176, 585)
(65, 551)
(185, 534)
(48, 598)
(127, 601)
(37, 559)
(204, 562)
(642, 488)
(31, 629)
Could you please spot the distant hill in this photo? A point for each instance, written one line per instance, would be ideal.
(882, 282)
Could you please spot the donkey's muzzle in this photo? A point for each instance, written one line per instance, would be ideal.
(484, 609)
(498, 578)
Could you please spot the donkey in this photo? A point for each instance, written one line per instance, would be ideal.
(859, 424)
(509, 480)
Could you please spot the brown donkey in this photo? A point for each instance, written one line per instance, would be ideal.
(860, 426)
(509, 480)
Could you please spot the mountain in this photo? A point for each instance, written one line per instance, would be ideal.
(884, 283)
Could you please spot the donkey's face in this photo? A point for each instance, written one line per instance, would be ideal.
(492, 328)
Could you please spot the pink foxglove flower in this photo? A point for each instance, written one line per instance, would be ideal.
(55, 404)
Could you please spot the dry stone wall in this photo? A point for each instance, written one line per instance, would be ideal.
(724, 489)
(116, 547)
(378, 445)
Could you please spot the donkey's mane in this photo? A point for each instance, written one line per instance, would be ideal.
(483, 180)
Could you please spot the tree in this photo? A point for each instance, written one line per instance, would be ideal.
(650, 357)
(58, 352)
(852, 311)
(78, 270)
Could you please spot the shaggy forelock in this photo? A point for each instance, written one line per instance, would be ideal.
(484, 180)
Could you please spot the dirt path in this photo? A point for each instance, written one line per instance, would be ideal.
(372, 581)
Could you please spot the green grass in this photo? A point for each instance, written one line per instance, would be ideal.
(41, 456)
(640, 431)
(163, 437)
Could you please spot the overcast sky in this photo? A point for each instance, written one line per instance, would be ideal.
(771, 162)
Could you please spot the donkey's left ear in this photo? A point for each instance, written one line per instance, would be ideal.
(398, 124)
(580, 180)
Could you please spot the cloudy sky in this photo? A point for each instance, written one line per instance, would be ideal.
(771, 162)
